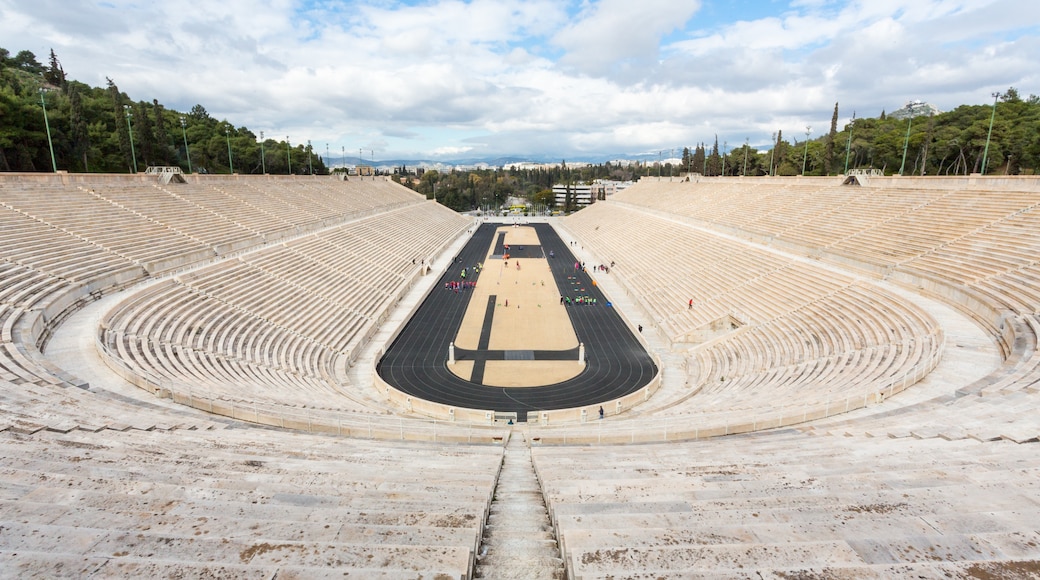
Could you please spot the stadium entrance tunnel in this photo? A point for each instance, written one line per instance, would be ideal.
(516, 324)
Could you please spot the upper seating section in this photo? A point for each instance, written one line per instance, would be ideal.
(972, 246)
(985, 241)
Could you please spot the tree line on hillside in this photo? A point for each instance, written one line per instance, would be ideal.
(102, 130)
(467, 190)
(949, 143)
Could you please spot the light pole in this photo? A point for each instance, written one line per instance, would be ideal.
(848, 144)
(343, 155)
(231, 162)
(130, 129)
(50, 144)
(985, 154)
(263, 159)
(288, 154)
(327, 160)
(771, 151)
(747, 140)
(310, 157)
(805, 156)
(906, 140)
(184, 134)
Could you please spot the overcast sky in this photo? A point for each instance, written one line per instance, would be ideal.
(444, 79)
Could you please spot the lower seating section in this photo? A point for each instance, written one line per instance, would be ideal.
(1003, 405)
(239, 503)
(272, 325)
(785, 504)
(65, 244)
(794, 334)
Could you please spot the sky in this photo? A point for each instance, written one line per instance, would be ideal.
(567, 79)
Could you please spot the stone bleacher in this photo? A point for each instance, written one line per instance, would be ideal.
(288, 278)
(274, 325)
(239, 503)
(809, 335)
(789, 505)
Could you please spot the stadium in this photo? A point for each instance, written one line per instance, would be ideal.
(841, 381)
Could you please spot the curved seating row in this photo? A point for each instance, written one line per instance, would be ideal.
(273, 325)
(806, 335)
(65, 244)
(961, 236)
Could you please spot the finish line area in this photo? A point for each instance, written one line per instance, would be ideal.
(506, 325)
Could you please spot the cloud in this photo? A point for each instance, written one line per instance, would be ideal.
(619, 36)
(546, 77)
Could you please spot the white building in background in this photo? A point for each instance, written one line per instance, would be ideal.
(581, 195)
(603, 188)
(586, 194)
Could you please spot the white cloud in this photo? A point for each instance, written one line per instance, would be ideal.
(620, 35)
(448, 77)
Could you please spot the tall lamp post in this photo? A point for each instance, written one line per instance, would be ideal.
(848, 144)
(985, 154)
(327, 160)
(130, 129)
(310, 158)
(725, 146)
(805, 156)
(263, 158)
(771, 151)
(288, 154)
(184, 134)
(906, 140)
(231, 162)
(50, 144)
(747, 140)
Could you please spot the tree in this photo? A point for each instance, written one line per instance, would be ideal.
(54, 74)
(714, 161)
(122, 128)
(828, 158)
(26, 61)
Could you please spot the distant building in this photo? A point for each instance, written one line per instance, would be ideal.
(602, 188)
(580, 195)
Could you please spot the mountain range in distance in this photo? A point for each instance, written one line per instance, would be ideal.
(505, 161)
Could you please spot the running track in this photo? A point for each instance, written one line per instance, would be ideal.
(417, 361)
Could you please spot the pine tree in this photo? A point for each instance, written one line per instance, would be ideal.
(163, 149)
(54, 75)
(828, 162)
(80, 134)
(122, 128)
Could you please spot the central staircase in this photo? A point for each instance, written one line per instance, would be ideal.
(518, 540)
